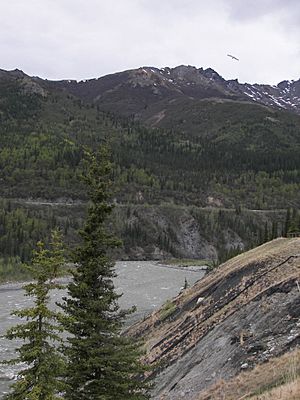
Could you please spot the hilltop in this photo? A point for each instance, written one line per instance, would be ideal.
(146, 90)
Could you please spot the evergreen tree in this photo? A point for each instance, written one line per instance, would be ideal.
(266, 232)
(39, 380)
(294, 222)
(274, 229)
(102, 364)
(287, 222)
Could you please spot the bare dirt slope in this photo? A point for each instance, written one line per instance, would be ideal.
(244, 313)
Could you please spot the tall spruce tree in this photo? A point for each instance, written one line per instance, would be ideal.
(102, 364)
(40, 379)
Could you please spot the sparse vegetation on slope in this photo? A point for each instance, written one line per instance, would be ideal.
(242, 314)
(276, 379)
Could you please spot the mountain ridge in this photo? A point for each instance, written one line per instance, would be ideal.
(219, 148)
(150, 84)
(214, 152)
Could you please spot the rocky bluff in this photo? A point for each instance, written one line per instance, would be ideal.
(244, 313)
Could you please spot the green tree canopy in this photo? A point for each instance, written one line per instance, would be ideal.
(102, 364)
(40, 378)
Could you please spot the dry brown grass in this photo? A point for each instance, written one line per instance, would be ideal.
(288, 391)
(269, 381)
(279, 249)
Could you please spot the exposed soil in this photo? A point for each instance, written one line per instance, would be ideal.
(244, 313)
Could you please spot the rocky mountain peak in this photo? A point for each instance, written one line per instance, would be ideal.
(184, 71)
(188, 75)
(285, 85)
(213, 75)
(181, 75)
(15, 73)
(199, 83)
(27, 84)
(133, 92)
(146, 76)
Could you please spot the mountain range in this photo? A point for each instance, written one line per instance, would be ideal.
(136, 92)
(139, 91)
(203, 168)
(187, 131)
(190, 150)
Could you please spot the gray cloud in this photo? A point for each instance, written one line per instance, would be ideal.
(254, 9)
(75, 39)
(285, 13)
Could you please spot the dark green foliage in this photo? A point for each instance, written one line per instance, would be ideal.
(234, 152)
(102, 363)
(228, 154)
(16, 101)
(22, 225)
(150, 227)
(21, 228)
(41, 139)
(287, 222)
(226, 227)
(139, 226)
(12, 269)
(292, 222)
(39, 379)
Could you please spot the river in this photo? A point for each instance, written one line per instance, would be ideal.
(144, 284)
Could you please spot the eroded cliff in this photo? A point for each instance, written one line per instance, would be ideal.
(244, 313)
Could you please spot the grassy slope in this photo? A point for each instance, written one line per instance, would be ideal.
(287, 391)
(277, 379)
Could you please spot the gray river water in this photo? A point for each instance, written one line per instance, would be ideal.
(144, 284)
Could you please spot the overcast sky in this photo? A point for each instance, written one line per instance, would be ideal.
(81, 39)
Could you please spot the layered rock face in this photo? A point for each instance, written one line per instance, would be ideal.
(242, 314)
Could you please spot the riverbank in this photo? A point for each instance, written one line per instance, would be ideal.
(187, 264)
(144, 284)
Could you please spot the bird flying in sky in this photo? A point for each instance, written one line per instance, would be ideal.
(233, 57)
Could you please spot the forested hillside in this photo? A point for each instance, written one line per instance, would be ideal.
(42, 134)
(216, 154)
(206, 153)
(148, 232)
